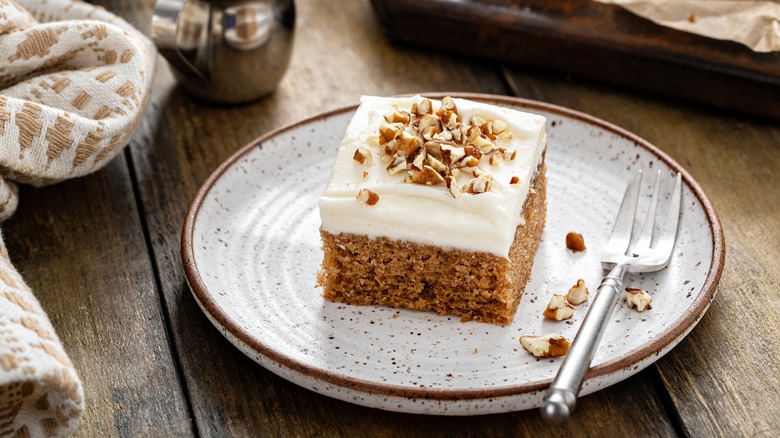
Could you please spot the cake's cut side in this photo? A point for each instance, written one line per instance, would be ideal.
(472, 285)
(435, 206)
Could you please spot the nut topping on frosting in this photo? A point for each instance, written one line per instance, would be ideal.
(398, 165)
(362, 155)
(480, 184)
(407, 144)
(431, 146)
(428, 176)
(424, 107)
(367, 197)
(388, 132)
(398, 117)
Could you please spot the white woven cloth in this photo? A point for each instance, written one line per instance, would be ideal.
(74, 81)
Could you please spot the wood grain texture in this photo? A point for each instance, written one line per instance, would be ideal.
(720, 383)
(594, 40)
(229, 393)
(80, 247)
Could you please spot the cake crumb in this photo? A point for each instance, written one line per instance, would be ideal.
(395, 316)
(692, 17)
(575, 242)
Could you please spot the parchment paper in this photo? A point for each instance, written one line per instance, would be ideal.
(755, 24)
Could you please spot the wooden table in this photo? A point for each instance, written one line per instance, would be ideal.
(102, 255)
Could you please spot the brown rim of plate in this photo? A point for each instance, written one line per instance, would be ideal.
(654, 347)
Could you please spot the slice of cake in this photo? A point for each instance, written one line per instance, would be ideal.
(435, 206)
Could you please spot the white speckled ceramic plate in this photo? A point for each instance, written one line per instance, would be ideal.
(251, 251)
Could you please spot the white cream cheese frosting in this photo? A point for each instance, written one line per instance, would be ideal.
(430, 214)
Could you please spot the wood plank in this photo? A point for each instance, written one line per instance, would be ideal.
(339, 55)
(719, 382)
(594, 40)
(80, 247)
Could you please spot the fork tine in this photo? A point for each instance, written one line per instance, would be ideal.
(647, 228)
(669, 230)
(624, 222)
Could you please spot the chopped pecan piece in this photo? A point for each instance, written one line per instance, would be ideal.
(433, 148)
(428, 176)
(448, 118)
(389, 147)
(637, 299)
(457, 132)
(419, 160)
(430, 132)
(578, 293)
(467, 161)
(472, 134)
(367, 197)
(426, 121)
(396, 166)
(407, 144)
(558, 309)
(448, 103)
(575, 242)
(498, 126)
(388, 132)
(496, 159)
(480, 184)
(478, 121)
(362, 155)
(398, 117)
(550, 345)
(444, 135)
(472, 151)
(485, 145)
(424, 107)
(437, 165)
(452, 184)
(450, 153)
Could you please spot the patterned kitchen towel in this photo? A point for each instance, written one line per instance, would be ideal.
(74, 81)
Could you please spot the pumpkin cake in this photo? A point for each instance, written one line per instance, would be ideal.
(435, 206)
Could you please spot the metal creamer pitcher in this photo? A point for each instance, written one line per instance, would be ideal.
(225, 51)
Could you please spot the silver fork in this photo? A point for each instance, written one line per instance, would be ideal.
(562, 395)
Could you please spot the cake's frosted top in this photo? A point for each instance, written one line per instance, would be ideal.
(454, 176)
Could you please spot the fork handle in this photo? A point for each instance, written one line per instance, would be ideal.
(561, 398)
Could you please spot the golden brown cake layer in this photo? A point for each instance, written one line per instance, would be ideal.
(473, 285)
